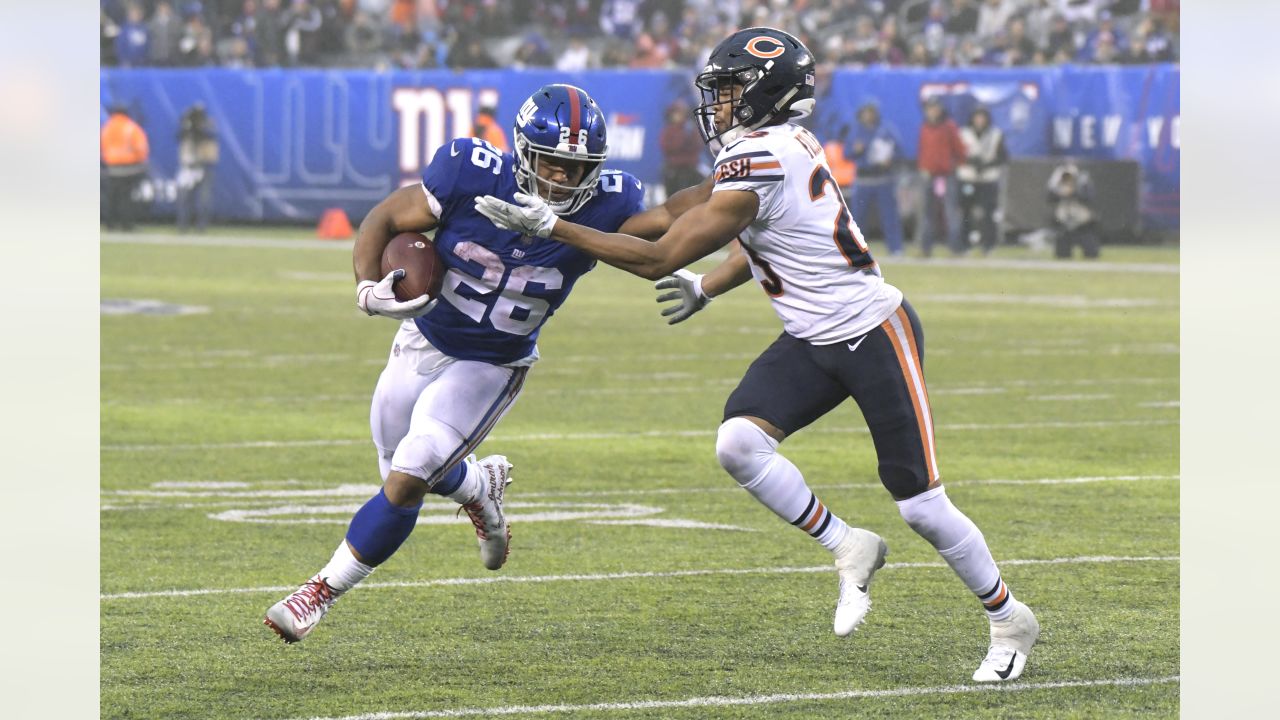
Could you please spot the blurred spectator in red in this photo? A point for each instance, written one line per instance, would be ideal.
(1166, 13)
(124, 151)
(940, 152)
(131, 43)
(486, 127)
(576, 56)
(166, 31)
(648, 54)
(979, 177)
(682, 148)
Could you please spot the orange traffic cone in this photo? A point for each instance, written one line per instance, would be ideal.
(334, 225)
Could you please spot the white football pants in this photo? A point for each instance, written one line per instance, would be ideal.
(431, 410)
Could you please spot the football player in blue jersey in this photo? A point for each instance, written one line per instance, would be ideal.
(458, 362)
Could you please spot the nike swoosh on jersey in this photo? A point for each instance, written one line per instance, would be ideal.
(854, 346)
(453, 151)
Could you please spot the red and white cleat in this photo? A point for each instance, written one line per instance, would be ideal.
(294, 617)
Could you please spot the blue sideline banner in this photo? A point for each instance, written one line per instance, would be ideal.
(295, 142)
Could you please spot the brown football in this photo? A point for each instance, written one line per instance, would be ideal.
(423, 269)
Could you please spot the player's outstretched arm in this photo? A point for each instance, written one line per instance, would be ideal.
(692, 292)
(655, 222)
(697, 233)
(405, 210)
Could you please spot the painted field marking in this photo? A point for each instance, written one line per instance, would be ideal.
(974, 388)
(751, 700)
(436, 513)
(595, 577)
(345, 246)
(307, 359)
(542, 437)
(228, 496)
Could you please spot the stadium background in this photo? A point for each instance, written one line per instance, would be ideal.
(334, 104)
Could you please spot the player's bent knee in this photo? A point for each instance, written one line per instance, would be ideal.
(902, 481)
(425, 452)
(743, 449)
(404, 490)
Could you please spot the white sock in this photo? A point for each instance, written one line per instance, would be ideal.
(344, 570)
(471, 487)
(750, 456)
(962, 545)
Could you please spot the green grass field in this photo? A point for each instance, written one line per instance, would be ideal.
(235, 448)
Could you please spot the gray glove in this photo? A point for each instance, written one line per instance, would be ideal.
(531, 217)
(688, 290)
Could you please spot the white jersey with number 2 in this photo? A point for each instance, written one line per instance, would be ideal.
(804, 247)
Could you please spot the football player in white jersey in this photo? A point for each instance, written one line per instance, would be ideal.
(847, 333)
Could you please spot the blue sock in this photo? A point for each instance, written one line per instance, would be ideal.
(451, 481)
(380, 528)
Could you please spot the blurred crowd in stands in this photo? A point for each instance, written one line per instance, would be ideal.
(578, 34)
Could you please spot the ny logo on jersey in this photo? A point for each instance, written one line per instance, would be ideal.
(733, 169)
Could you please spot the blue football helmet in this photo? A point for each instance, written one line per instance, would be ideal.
(560, 121)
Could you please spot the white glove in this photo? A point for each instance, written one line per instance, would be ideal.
(534, 218)
(377, 298)
(688, 290)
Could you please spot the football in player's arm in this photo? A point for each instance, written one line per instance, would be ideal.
(847, 333)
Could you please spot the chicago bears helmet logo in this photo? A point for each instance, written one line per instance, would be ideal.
(758, 46)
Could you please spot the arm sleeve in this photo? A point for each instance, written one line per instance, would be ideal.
(444, 176)
(752, 169)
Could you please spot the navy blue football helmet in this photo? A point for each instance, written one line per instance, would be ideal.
(775, 72)
(560, 121)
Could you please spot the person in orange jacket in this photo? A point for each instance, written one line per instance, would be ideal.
(124, 158)
(486, 128)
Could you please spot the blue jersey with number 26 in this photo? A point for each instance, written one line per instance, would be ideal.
(502, 286)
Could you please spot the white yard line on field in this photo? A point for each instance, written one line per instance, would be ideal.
(249, 241)
(541, 437)
(229, 495)
(489, 580)
(752, 700)
(227, 241)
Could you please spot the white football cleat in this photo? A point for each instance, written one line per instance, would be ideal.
(858, 557)
(1011, 642)
(294, 617)
(486, 512)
